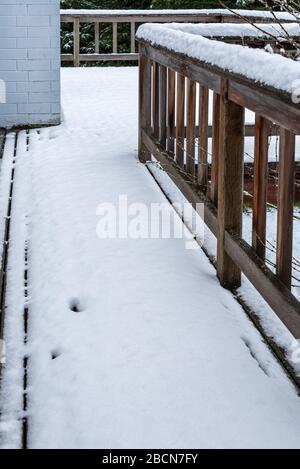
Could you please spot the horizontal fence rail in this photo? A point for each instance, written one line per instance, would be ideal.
(175, 93)
(134, 19)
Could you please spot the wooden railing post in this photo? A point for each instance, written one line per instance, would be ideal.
(260, 185)
(76, 34)
(230, 184)
(286, 188)
(180, 114)
(162, 105)
(215, 149)
(132, 37)
(203, 137)
(190, 127)
(155, 99)
(171, 111)
(97, 38)
(115, 38)
(144, 104)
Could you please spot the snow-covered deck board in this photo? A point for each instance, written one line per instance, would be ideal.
(160, 355)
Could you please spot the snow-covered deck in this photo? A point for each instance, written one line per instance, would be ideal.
(157, 354)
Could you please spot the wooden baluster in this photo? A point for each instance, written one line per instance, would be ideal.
(260, 185)
(162, 105)
(97, 38)
(190, 127)
(215, 149)
(155, 100)
(76, 34)
(230, 185)
(180, 113)
(144, 104)
(286, 191)
(132, 37)
(203, 137)
(115, 38)
(171, 110)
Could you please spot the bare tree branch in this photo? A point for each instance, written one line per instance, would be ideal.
(290, 7)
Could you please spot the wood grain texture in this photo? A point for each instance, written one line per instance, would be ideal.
(120, 57)
(180, 122)
(203, 137)
(162, 105)
(190, 127)
(260, 185)
(76, 33)
(132, 37)
(144, 105)
(97, 38)
(286, 190)
(155, 99)
(270, 103)
(215, 149)
(230, 185)
(171, 111)
(115, 38)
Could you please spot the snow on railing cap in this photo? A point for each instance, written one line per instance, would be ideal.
(255, 64)
(258, 30)
(152, 12)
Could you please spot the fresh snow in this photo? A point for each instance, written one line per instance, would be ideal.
(243, 30)
(202, 11)
(269, 69)
(159, 355)
(271, 324)
(11, 397)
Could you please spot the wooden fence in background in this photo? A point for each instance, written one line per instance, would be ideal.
(170, 85)
(134, 19)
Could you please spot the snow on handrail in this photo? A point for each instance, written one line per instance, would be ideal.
(242, 30)
(205, 12)
(268, 69)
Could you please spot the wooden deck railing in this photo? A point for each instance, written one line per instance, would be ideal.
(170, 85)
(98, 17)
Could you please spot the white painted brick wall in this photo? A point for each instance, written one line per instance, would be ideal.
(30, 62)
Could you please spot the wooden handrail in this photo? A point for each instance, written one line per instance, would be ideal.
(96, 17)
(221, 190)
(169, 16)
